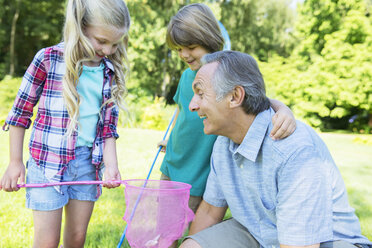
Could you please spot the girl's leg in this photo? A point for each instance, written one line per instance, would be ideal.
(47, 228)
(77, 216)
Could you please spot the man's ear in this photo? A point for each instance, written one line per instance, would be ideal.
(237, 96)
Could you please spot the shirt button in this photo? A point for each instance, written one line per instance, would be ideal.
(241, 166)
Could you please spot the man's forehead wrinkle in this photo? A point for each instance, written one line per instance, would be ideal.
(195, 85)
(198, 84)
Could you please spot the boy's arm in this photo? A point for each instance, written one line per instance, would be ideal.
(164, 143)
(284, 121)
(16, 168)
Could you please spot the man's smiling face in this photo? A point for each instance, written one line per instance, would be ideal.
(213, 113)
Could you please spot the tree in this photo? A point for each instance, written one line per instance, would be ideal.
(259, 27)
(155, 70)
(316, 19)
(12, 37)
(27, 26)
(328, 80)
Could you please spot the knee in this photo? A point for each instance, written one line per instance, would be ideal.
(75, 239)
(47, 242)
(190, 243)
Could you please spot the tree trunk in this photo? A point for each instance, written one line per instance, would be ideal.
(166, 77)
(12, 38)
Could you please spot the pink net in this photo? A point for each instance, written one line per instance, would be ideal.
(162, 213)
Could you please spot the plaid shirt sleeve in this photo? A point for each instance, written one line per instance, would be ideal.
(28, 93)
(111, 121)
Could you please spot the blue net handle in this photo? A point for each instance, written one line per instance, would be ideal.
(226, 37)
(145, 183)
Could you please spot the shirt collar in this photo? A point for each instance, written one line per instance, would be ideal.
(255, 136)
(108, 64)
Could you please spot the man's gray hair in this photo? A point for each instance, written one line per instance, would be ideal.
(239, 69)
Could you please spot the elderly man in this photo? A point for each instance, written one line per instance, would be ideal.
(286, 193)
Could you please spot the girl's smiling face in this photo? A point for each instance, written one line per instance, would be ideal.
(192, 55)
(105, 40)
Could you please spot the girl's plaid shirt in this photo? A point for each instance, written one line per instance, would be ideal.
(49, 146)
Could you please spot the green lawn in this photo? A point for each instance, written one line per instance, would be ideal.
(136, 151)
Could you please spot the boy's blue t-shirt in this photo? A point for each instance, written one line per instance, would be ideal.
(187, 158)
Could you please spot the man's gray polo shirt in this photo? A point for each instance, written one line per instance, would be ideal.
(288, 191)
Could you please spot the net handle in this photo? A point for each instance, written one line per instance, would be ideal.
(43, 185)
(145, 183)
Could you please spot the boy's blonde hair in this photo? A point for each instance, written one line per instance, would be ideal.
(194, 24)
(77, 49)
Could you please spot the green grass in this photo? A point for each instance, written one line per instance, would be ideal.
(136, 151)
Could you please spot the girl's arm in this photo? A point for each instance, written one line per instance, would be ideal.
(111, 163)
(16, 168)
(284, 121)
(19, 119)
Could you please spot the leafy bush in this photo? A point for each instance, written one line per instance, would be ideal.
(325, 95)
(365, 140)
(146, 112)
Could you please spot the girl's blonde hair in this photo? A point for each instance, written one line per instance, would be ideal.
(77, 49)
(194, 24)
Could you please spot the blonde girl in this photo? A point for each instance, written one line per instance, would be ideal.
(79, 85)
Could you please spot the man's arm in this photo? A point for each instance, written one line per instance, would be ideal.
(206, 216)
(307, 196)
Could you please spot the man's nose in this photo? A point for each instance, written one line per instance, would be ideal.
(193, 106)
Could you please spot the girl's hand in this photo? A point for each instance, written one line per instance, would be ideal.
(14, 172)
(163, 145)
(111, 174)
(284, 124)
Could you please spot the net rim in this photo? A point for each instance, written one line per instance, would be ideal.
(184, 186)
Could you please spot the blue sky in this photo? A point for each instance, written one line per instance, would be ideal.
(294, 3)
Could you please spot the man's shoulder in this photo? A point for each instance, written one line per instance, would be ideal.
(303, 137)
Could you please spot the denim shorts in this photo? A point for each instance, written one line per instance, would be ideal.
(48, 198)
